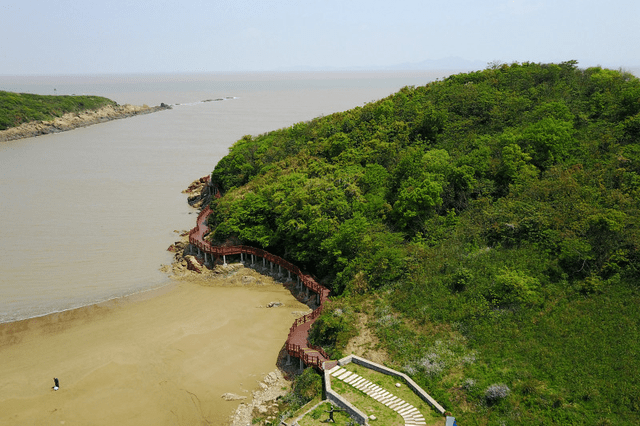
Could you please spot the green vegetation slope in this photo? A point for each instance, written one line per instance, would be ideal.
(488, 225)
(18, 108)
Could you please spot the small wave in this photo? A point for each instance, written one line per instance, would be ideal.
(43, 310)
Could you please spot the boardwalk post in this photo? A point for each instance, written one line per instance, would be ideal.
(288, 274)
(224, 260)
(253, 261)
(241, 258)
(264, 262)
(301, 365)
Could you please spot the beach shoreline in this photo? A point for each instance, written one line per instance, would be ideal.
(73, 120)
(154, 358)
(205, 348)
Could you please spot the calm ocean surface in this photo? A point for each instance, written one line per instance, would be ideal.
(87, 215)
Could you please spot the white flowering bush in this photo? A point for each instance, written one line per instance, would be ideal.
(433, 364)
(469, 358)
(440, 357)
(388, 320)
(410, 369)
(496, 392)
(468, 384)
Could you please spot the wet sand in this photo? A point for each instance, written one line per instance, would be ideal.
(162, 360)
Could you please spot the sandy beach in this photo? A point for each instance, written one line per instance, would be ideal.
(164, 358)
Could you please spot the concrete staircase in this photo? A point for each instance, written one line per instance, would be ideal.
(410, 414)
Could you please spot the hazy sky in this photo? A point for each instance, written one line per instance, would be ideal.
(145, 36)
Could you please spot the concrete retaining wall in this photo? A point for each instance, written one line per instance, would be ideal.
(336, 399)
(391, 372)
(295, 421)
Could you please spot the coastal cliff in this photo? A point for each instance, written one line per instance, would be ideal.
(74, 120)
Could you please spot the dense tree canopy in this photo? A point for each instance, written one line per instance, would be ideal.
(510, 195)
(549, 151)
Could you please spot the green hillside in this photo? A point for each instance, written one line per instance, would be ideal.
(487, 225)
(18, 108)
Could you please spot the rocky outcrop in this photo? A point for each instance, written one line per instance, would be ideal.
(200, 192)
(232, 397)
(193, 264)
(74, 120)
(264, 401)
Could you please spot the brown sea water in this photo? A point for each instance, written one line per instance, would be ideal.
(87, 215)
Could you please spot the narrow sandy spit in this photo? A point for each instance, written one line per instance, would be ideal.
(164, 360)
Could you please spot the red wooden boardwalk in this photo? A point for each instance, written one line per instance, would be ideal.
(297, 341)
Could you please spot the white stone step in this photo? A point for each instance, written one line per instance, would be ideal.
(345, 376)
(334, 369)
(391, 401)
(352, 378)
(394, 406)
(337, 370)
(406, 411)
(340, 374)
(357, 382)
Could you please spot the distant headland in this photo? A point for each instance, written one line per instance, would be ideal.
(26, 115)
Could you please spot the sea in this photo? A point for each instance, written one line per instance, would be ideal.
(87, 215)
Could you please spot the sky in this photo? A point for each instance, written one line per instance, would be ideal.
(61, 37)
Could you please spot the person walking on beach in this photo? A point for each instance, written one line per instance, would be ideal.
(56, 384)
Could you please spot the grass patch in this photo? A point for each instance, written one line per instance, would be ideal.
(289, 416)
(387, 383)
(318, 416)
(366, 404)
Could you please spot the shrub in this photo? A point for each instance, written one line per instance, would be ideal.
(305, 387)
(496, 393)
(332, 330)
(515, 287)
(468, 384)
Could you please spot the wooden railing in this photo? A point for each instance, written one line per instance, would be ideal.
(196, 238)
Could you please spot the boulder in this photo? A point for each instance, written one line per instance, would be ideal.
(193, 264)
(232, 397)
